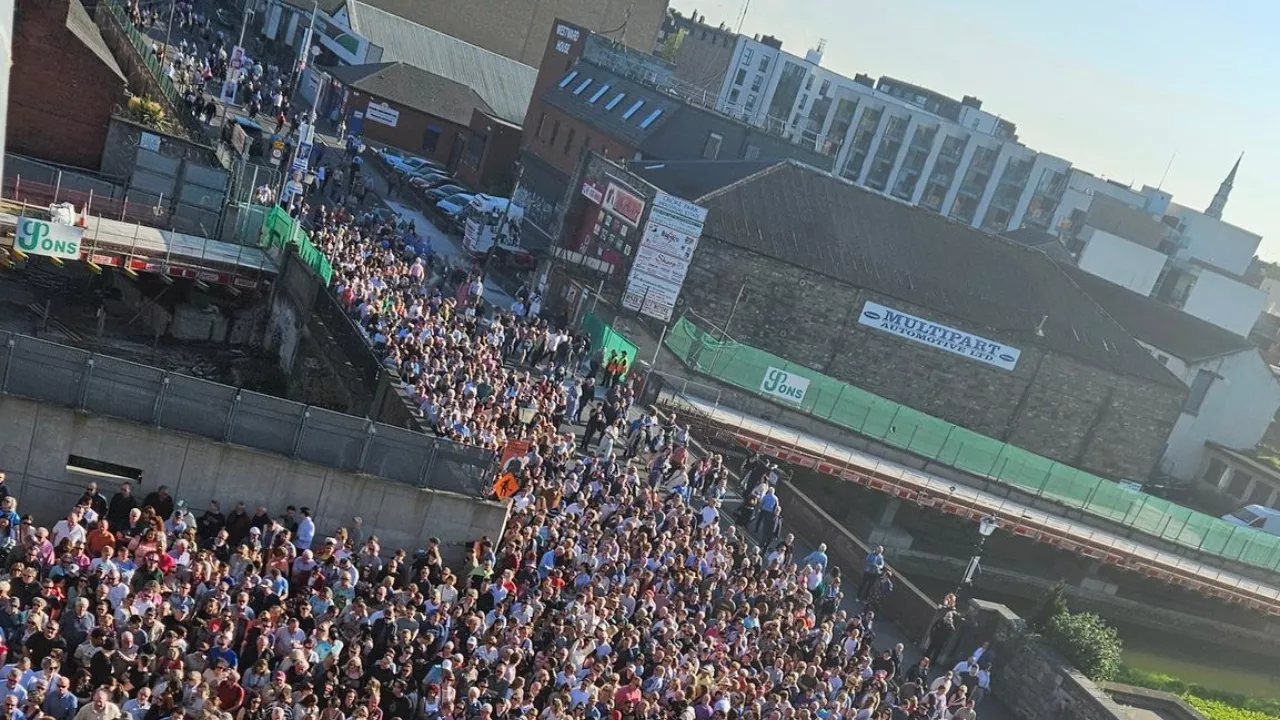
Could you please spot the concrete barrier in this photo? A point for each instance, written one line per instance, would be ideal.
(36, 440)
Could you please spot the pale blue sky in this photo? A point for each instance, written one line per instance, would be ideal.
(1115, 87)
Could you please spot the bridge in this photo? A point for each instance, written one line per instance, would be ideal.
(946, 495)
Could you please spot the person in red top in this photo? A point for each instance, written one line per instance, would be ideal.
(627, 695)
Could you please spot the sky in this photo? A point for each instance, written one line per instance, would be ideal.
(1115, 87)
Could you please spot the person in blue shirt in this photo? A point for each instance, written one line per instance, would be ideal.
(872, 568)
(222, 651)
(817, 558)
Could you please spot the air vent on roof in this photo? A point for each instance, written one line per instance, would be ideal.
(614, 102)
(568, 78)
(652, 116)
(582, 87)
(598, 93)
(632, 110)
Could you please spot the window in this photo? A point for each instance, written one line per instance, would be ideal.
(586, 143)
(652, 116)
(733, 95)
(755, 84)
(751, 102)
(740, 77)
(764, 63)
(596, 96)
(555, 132)
(1199, 389)
(431, 138)
(568, 140)
(632, 110)
(746, 55)
(614, 102)
(582, 87)
(711, 151)
(825, 87)
(542, 122)
(808, 83)
(804, 100)
(568, 79)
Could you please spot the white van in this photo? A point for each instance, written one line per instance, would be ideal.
(1256, 516)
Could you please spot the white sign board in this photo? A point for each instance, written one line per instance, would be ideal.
(784, 385)
(382, 113)
(40, 237)
(662, 257)
(927, 332)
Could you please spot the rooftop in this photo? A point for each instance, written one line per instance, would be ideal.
(83, 27)
(504, 84)
(800, 215)
(625, 109)
(695, 178)
(414, 88)
(1183, 336)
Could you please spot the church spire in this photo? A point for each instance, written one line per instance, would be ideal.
(1219, 202)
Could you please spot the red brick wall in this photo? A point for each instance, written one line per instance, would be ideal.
(410, 129)
(547, 138)
(60, 93)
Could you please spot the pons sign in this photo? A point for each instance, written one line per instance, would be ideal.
(41, 237)
(942, 337)
(785, 385)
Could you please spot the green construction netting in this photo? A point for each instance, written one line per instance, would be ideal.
(279, 230)
(603, 336)
(897, 425)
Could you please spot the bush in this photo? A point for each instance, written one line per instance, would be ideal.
(1087, 641)
(1262, 707)
(1052, 602)
(1217, 710)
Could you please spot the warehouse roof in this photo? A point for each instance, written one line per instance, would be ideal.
(505, 84)
(622, 108)
(414, 88)
(1183, 336)
(805, 217)
(695, 178)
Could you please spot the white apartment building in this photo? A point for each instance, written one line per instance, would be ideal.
(894, 138)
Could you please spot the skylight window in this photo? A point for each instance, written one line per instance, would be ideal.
(568, 78)
(652, 116)
(582, 87)
(614, 102)
(598, 93)
(632, 110)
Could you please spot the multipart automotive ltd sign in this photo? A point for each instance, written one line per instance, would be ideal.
(942, 337)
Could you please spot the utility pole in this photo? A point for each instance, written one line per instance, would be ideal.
(506, 211)
(733, 311)
(168, 33)
(304, 51)
(244, 22)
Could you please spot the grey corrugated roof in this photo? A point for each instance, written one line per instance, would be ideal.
(806, 217)
(83, 27)
(503, 83)
(415, 88)
(599, 115)
(695, 178)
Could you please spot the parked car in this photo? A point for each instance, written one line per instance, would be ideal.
(445, 191)
(454, 204)
(391, 155)
(413, 164)
(430, 182)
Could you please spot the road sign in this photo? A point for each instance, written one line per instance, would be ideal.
(40, 237)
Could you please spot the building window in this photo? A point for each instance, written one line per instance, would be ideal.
(751, 102)
(1199, 389)
(825, 87)
(751, 153)
(746, 56)
(755, 84)
(542, 121)
(804, 100)
(733, 95)
(568, 141)
(808, 83)
(555, 132)
(764, 63)
(740, 77)
(711, 151)
(431, 138)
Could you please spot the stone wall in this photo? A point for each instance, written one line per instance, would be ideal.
(1050, 404)
(1033, 680)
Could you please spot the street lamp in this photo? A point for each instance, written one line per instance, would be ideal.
(986, 528)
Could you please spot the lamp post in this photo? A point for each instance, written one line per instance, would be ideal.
(986, 528)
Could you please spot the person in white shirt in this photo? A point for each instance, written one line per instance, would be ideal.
(69, 527)
(306, 530)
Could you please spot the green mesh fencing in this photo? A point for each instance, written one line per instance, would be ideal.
(911, 430)
(604, 336)
(279, 230)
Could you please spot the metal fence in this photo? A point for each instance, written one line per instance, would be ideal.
(80, 379)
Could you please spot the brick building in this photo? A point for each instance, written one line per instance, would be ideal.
(409, 108)
(592, 95)
(801, 264)
(63, 85)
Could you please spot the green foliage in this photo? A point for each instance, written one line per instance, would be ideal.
(1254, 707)
(1091, 645)
(1218, 710)
(1052, 603)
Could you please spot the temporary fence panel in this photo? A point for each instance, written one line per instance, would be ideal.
(868, 414)
(279, 230)
(604, 337)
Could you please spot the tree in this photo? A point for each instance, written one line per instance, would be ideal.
(1086, 640)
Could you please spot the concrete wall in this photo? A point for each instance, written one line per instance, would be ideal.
(1224, 302)
(36, 438)
(1051, 404)
(1124, 263)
